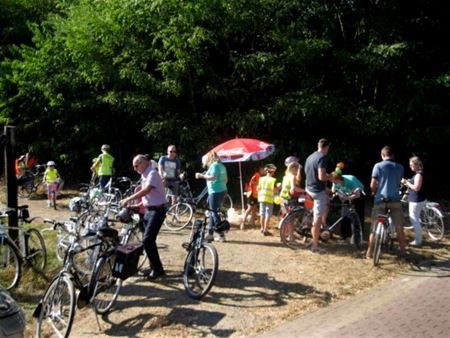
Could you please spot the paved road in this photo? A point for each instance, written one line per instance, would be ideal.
(413, 305)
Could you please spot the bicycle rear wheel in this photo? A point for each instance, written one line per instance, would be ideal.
(104, 288)
(25, 189)
(10, 264)
(57, 309)
(434, 223)
(200, 270)
(179, 216)
(379, 235)
(36, 250)
(291, 229)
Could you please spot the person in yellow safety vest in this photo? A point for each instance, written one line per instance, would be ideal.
(103, 166)
(51, 178)
(290, 186)
(266, 191)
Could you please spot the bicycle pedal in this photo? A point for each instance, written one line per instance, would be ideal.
(186, 245)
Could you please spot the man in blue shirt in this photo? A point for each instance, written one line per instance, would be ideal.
(385, 182)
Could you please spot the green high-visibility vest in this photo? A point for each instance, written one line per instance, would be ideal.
(106, 165)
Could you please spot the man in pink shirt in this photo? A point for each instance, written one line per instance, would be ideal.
(154, 200)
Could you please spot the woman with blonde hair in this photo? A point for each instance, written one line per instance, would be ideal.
(216, 180)
(417, 196)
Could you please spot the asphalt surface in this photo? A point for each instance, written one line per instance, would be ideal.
(414, 305)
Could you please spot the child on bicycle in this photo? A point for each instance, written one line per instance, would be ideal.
(266, 191)
(52, 179)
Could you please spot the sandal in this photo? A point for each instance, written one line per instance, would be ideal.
(318, 250)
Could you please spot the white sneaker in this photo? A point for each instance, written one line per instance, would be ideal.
(414, 243)
(49, 204)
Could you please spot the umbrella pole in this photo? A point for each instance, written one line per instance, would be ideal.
(242, 189)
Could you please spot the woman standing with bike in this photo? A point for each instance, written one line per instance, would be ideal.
(216, 179)
(416, 197)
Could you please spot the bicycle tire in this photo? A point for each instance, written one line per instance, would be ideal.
(104, 288)
(198, 276)
(290, 229)
(434, 223)
(57, 309)
(26, 189)
(227, 202)
(36, 252)
(379, 235)
(356, 230)
(10, 264)
(179, 216)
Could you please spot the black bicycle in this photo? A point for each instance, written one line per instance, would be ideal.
(202, 261)
(31, 181)
(295, 227)
(56, 310)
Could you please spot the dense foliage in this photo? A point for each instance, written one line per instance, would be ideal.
(144, 74)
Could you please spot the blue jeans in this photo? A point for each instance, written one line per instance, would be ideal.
(215, 202)
(153, 219)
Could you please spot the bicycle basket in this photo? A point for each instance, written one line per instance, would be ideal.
(127, 259)
(222, 226)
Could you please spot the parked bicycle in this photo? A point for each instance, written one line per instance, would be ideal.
(202, 261)
(295, 227)
(30, 249)
(181, 214)
(56, 310)
(384, 233)
(431, 217)
(31, 181)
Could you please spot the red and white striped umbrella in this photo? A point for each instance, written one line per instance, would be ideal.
(243, 150)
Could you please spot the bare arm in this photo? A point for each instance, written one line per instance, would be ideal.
(373, 185)
(417, 185)
(323, 176)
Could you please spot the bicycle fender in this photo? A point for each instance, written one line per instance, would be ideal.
(434, 206)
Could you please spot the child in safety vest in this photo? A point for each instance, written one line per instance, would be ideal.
(290, 186)
(52, 179)
(252, 197)
(266, 191)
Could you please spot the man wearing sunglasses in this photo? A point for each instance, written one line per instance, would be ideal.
(169, 168)
(154, 201)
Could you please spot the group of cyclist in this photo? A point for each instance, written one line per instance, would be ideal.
(386, 178)
(26, 164)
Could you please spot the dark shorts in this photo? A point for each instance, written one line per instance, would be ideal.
(252, 201)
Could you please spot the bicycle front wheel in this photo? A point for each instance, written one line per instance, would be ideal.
(57, 309)
(179, 216)
(379, 235)
(104, 288)
(200, 270)
(291, 232)
(36, 250)
(10, 264)
(227, 202)
(26, 189)
(434, 222)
